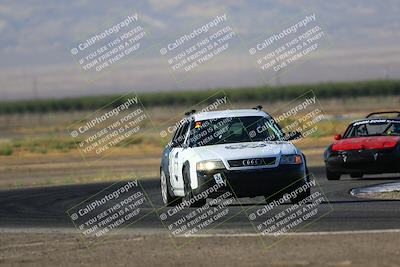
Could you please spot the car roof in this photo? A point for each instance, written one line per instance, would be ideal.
(382, 115)
(229, 113)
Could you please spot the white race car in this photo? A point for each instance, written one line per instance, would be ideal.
(241, 151)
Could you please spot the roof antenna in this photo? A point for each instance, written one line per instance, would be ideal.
(190, 112)
(259, 107)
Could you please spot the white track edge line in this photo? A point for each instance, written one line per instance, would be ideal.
(298, 234)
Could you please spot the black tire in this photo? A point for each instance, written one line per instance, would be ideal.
(167, 198)
(356, 175)
(299, 197)
(303, 195)
(189, 194)
(269, 199)
(332, 176)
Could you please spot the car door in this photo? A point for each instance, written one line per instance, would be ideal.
(175, 158)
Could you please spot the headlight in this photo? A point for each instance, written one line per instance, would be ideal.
(209, 165)
(291, 159)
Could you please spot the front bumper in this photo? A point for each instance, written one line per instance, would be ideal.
(257, 182)
(364, 161)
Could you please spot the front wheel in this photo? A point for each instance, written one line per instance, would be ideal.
(167, 198)
(305, 194)
(332, 175)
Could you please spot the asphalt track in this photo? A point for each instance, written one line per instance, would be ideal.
(45, 207)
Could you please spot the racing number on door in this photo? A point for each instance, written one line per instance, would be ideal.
(175, 161)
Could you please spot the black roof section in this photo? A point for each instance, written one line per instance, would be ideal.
(383, 112)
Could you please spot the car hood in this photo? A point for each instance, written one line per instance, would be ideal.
(372, 142)
(245, 150)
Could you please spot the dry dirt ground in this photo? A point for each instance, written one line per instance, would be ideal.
(129, 249)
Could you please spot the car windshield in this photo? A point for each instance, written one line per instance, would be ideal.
(234, 130)
(375, 127)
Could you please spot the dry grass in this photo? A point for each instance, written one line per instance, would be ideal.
(37, 150)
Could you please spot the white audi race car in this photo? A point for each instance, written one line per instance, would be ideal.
(242, 151)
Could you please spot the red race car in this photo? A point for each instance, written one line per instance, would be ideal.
(368, 146)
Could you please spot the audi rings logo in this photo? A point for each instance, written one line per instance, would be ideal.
(251, 162)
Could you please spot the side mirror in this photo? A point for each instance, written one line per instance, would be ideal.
(294, 136)
(337, 137)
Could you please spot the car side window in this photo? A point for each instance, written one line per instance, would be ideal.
(361, 131)
(176, 135)
(182, 133)
(186, 132)
(179, 136)
(174, 138)
(357, 131)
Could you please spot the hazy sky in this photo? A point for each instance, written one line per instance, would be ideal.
(36, 38)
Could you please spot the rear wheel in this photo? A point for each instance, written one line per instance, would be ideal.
(189, 195)
(167, 198)
(356, 175)
(332, 175)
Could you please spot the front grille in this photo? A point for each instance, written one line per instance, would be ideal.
(252, 162)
